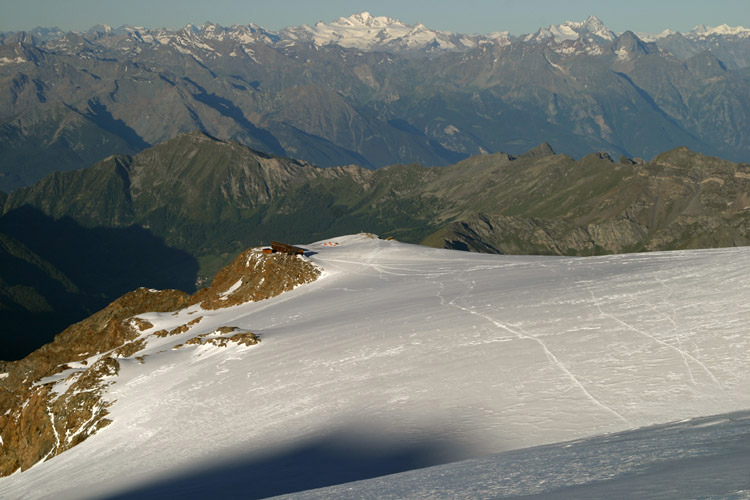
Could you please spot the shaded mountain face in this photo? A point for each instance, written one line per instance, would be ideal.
(212, 198)
(56, 272)
(730, 44)
(362, 90)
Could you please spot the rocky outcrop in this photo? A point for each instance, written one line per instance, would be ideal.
(54, 398)
(37, 423)
(255, 276)
(221, 338)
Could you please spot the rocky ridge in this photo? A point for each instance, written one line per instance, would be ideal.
(680, 200)
(52, 400)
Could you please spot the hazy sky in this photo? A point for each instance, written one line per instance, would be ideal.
(461, 16)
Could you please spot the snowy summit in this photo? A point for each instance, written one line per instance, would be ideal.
(366, 32)
(591, 27)
(703, 31)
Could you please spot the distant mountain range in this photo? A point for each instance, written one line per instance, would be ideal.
(371, 91)
(366, 32)
(172, 215)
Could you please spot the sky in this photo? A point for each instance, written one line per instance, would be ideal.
(467, 16)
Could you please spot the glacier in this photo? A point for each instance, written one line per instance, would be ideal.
(428, 364)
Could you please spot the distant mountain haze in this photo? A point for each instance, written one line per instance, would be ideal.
(370, 91)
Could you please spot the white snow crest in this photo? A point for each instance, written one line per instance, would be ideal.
(569, 30)
(703, 31)
(365, 32)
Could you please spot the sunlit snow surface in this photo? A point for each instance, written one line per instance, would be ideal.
(403, 356)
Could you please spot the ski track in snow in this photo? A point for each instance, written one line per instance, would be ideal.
(685, 355)
(675, 327)
(523, 335)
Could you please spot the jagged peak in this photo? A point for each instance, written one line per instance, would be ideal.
(628, 44)
(23, 37)
(706, 64)
(678, 152)
(626, 160)
(599, 155)
(627, 36)
(540, 151)
(592, 26)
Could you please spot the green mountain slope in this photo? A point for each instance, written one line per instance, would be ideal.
(211, 198)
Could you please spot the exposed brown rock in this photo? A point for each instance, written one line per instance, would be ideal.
(254, 276)
(179, 329)
(37, 424)
(129, 348)
(241, 337)
(27, 411)
(142, 324)
(226, 329)
(49, 424)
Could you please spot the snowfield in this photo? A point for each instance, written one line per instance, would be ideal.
(403, 357)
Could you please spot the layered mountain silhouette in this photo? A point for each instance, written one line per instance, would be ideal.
(370, 91)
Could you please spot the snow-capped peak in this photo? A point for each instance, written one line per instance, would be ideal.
(101, 28)
(366, 32)
(365, 19)
(592, 26)
(702, 31)
(211, 27)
